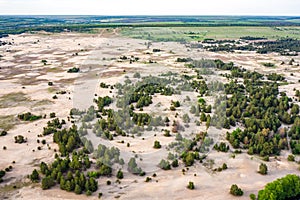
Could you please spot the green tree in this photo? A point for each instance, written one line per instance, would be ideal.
(47, 182)
(186, 118)
(164, 164)
(178, 137)
(193, 109)
(157, 145)
(191, 185)
(291, 158)
(188, 159)
(34, 177)
(203, 117)
(252, 196)
(77, 189)
(44, 168)
(175, 163)
(224, 166)
(120, 174)
(263, 169)
(132, 167)
(208, 120)
(283, 188)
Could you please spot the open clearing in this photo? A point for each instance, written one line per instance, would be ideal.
(201, 33)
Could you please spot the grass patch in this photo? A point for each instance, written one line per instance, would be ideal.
(42, 103)
(7, 122)
(31, 81)
(52, 89)
(54, 70)
(13, 99)
(67, 81)
(15, 186)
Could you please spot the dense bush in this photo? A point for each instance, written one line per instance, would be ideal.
(283, 188)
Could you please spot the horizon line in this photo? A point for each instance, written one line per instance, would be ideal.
(158, 15)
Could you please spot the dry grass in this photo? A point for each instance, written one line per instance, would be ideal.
(13, 99)
(42, 103)
(7, 190)
(7, 122)
(54, 70)
(31, 81)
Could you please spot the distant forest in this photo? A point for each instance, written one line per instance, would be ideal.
(20, 24)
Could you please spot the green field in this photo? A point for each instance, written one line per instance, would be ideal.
(201, 33)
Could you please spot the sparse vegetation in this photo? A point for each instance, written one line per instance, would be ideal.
(177, 118)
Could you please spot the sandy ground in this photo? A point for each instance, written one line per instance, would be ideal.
(97, 55)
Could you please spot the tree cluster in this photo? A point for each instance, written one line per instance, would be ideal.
(258, 106)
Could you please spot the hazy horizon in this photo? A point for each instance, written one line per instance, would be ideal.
(153, 15)
(151, 8)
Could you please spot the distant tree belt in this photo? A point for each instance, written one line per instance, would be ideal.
(86, 27)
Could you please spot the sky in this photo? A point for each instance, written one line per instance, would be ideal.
(150, 7)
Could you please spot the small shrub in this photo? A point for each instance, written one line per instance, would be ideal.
(52, 115)
(3, 133)
(263, 169)
(291, 158)
(148, 179)
(73, 70)
(20, 139)
(191, 185)
(252, 196)
(236, 191)
(157, 145)
(120, 174)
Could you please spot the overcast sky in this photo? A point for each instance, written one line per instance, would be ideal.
(150, 7)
